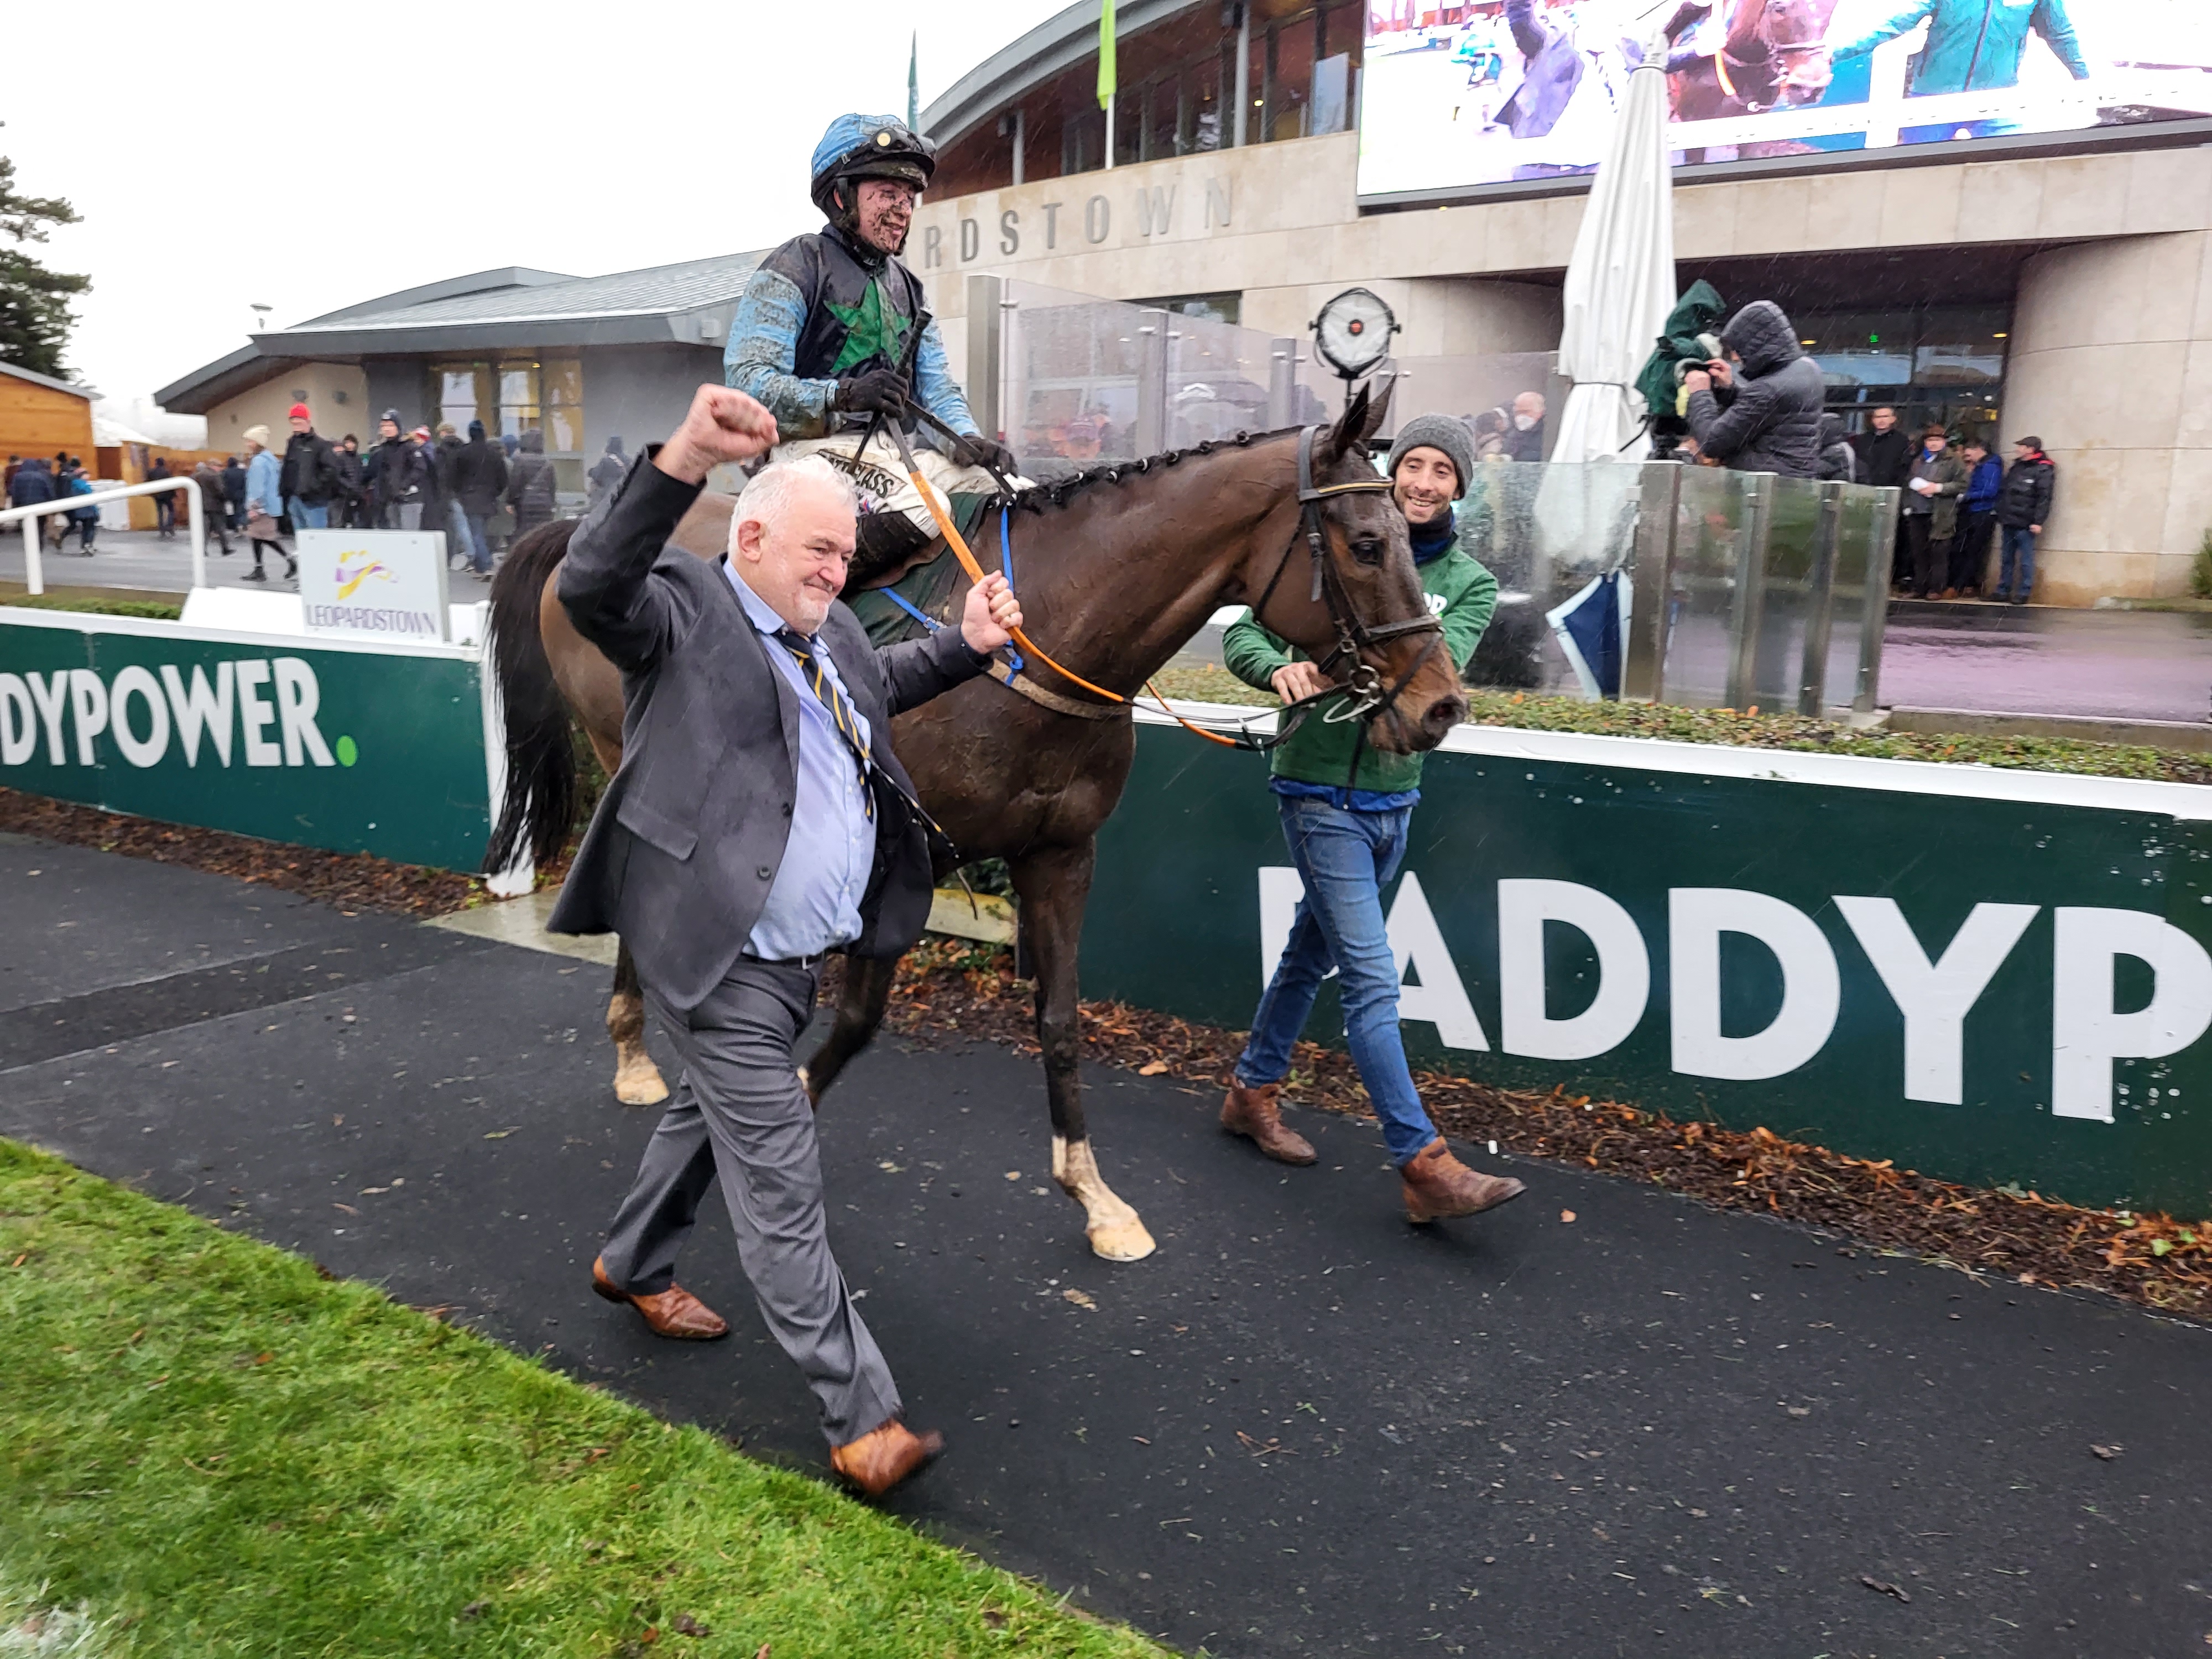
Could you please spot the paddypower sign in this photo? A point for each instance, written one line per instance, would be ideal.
(1990, 976)
(353, 748)
(374, 583)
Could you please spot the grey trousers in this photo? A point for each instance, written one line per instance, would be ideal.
(739, 1114)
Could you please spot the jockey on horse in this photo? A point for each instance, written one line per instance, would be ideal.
(825, 337)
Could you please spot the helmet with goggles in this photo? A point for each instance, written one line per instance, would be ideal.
(868, 146)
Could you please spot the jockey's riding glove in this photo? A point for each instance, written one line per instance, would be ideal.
(878, 391)
(977, 451)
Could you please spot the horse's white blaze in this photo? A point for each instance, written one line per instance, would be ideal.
(1113, 1229)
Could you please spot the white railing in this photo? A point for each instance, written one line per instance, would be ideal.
(34, 574)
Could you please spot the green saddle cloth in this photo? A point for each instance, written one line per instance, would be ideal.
(928, 587)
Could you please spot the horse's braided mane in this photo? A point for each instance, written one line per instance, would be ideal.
(1038, 497)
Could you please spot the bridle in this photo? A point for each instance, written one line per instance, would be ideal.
(1363, 684)
(1363, 681)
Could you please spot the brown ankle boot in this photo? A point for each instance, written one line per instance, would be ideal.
(1439, 1184)
(1256, 1115)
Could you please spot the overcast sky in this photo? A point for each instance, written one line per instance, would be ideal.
(308, 156)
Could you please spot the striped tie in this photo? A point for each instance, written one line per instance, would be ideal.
(840, 713)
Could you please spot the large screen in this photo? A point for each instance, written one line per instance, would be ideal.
(1492, 92)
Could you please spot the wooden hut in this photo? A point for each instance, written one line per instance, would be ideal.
(41, 415)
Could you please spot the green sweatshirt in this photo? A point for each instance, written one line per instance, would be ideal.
(1462, 592)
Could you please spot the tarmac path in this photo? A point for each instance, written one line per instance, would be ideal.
(1302, 1427)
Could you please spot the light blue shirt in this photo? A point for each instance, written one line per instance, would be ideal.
(814, 903)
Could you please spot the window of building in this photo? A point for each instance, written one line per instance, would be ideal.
(510, 395)
(1210, 308)
(1932, 364)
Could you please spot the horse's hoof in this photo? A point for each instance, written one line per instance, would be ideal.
(1122, 1241)
(640, 1085)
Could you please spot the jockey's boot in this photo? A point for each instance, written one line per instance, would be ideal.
(1256, 1114)
(885, 542)
(1437, 1184)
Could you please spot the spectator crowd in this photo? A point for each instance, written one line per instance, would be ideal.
(484, 493)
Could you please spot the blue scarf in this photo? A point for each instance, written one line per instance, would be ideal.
(1435, 539)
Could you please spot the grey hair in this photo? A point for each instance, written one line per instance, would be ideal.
(768, 495)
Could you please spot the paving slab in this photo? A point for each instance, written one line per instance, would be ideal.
(1603, 1420)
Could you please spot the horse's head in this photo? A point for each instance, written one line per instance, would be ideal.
(1795, 30)
(1372, 594)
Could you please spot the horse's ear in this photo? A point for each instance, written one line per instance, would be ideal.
(1378, 409)
(1344, 437)
(1362, 419)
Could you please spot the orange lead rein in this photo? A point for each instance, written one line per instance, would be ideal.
(976, 574)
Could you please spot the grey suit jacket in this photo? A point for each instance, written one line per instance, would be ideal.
(686, 842)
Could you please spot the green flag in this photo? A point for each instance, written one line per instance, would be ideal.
(1106, 83)
(913, 83)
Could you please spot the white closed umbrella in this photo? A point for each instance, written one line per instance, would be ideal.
(1619, 287)
(1620, 282)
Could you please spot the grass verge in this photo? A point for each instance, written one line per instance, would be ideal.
(1749, 728)
(215, 1451)
(98, 605)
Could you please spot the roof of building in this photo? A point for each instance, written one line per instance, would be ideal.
(509, 309)
(1060, 42)
(48, 381)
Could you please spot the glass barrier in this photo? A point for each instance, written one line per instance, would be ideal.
(1754, 590)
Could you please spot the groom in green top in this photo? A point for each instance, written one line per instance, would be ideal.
(1347, 834)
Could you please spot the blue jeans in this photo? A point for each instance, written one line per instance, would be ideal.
(1345, 859)
(479, 542)
(304, 517)
(2019, 542)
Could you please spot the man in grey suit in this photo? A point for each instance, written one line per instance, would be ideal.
(759, 820)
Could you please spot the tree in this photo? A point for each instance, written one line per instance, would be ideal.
(35, 301)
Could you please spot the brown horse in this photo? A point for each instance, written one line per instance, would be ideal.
(1776, 55)
(1116, 569)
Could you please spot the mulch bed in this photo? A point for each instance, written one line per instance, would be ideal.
(351, 881)
(949, 990)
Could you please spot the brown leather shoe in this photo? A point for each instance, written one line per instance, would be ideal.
(1256, 1115)
(674, 1313)
(882, 1457)
(1439, 1184)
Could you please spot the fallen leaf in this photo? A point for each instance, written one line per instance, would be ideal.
(1567, 1215)
(263, 1359)
(20, 1259)
(1883, 1586)
(478, 1608)
(2106, 1453)
(1013, 1174)
(501, 1134)
(994, 1618)
(1079, 1299)
(685, 1624)
(1153, 1069)
(1799, 1411)
(762, 1654)
(348, 1208)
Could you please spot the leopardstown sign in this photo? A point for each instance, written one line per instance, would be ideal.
(350, 745)
(1989, 975)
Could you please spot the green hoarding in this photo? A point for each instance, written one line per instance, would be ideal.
(1990, 977)
(355, 747)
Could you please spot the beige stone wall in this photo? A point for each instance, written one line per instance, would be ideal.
(2112, 347)
(267, 404)
(1283, 217)
(2111, 366)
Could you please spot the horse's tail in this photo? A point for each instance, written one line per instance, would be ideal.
(540, 804)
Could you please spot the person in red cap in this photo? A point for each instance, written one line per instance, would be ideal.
(310, 476)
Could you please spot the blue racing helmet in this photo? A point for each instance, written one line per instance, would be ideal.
(869, 147)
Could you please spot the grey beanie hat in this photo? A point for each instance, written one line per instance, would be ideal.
(1444, 432)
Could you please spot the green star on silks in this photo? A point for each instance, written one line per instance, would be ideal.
(869, 331)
